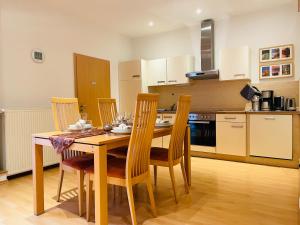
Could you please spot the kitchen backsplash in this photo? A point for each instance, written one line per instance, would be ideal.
(220, 95)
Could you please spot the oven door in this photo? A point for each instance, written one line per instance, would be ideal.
(203, 133)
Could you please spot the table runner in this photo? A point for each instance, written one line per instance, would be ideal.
(62, 142)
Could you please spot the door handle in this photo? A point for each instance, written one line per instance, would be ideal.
(239, 75)
(230, 118)
(136, 76)
(269, 118)
(237, 126)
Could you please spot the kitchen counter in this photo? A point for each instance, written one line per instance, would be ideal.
(166, 112)
(261, 112)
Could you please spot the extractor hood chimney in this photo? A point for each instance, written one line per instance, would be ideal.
(207, 53)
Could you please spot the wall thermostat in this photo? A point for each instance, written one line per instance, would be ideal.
(37, 55)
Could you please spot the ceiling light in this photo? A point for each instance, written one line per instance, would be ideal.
(198, 11)
(151, 24)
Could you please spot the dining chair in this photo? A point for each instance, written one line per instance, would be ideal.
(135, 168)
(107, 110)
(65, 112)
(174, 154)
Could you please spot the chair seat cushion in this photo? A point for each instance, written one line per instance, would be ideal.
(80, 162)
(119, 152)
(159, 154)
(115, 167)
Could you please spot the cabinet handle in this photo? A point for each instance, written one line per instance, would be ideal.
(269, 118)
(230, 118)
(237, 126)
(172, 81)
(199, 122)
(161, 81)
(168, 117)
(239, 75)
(136, 76)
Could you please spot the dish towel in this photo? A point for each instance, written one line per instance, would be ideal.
(62, 142)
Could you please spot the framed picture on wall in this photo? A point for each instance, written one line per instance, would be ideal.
(276, 71)
(276, 53)
(287, 70)
(265, 72)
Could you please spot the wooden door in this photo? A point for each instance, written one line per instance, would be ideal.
(92, 81)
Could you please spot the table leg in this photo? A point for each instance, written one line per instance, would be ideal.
(38, 179)
(187, 154)
(100, 181)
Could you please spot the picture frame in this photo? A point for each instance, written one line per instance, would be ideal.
(276, 53)
(272, 71)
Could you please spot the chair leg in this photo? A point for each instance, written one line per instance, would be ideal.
(155, 175)
(89, 197)
(61, 178)
(151, 196)
(171, 169)
(184, 177)
(80, 180)
(131, 204)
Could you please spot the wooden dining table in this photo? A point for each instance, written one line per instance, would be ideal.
(99, 146)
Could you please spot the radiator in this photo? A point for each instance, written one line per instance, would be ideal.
(17, 129)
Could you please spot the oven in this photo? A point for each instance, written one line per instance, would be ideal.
(203, 129)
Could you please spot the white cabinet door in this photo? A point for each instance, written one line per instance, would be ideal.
(271, 136)
(177, 67)
(235, 63)
(156, 72)
(128, 91)
(231, 138)
(130, 84)
(130, 70)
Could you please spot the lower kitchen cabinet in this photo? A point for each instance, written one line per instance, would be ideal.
(271, 136)
(231, 136)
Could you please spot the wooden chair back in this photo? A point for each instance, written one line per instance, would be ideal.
(107, 110)
(138, 155)
(179, 127)
(65, 112)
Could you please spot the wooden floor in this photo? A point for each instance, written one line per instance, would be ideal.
(222, 193)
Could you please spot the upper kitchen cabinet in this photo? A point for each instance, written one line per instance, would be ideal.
(177, 67)
(130, 70)
(156, 72)
(168, 71)
(130, 84)
(235, 63)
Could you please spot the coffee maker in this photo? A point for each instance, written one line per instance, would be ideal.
(267, 100)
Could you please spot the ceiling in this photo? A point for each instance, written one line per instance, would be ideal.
(131, 17)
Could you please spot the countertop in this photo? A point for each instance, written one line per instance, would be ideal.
(260, 112)
(166, 111)
(243, 112)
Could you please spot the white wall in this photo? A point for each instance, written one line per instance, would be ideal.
(25, 84)
(257, 30)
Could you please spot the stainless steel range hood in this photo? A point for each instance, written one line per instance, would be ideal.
(207, 53)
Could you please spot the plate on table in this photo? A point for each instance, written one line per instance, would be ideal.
(163, 124)
(121, 131)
